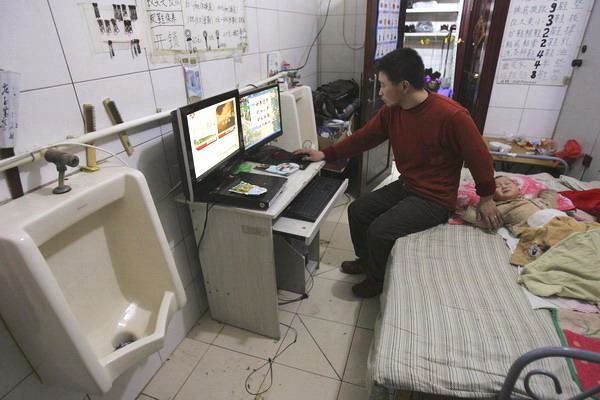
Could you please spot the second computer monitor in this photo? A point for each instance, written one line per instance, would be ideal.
(260, 112)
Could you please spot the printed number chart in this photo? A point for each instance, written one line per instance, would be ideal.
(541, 39)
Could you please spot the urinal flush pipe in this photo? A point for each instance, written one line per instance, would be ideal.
(61, 160)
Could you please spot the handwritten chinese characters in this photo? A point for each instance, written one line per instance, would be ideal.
(191, 26)
(540, 40)
(10, 83)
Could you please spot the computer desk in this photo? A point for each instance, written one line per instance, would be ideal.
(246, 255)
(518, 155)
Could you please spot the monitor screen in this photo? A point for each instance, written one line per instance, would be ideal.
(260, 113)
(207, 135)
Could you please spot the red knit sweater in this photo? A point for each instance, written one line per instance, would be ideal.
(430, 143)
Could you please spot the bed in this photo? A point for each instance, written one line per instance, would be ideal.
(453, 319)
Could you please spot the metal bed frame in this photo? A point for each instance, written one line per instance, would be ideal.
(517, 367)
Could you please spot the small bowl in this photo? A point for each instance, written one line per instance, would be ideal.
(500, 147)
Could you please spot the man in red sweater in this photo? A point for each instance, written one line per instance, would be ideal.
(431, 135)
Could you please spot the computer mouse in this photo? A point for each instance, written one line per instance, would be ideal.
(298, 157)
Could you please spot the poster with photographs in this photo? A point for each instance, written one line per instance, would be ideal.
(388, 17)
(541, 39)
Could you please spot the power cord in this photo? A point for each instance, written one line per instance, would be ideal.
(316, 37)
(169, 192)
(309, 284)
(85, 145)
(346, 203)
(208, 207)
(344, 31)
(270, 364)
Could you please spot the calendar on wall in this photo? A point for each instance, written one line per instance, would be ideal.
(541, 39)
(185, 27)
(388, 17)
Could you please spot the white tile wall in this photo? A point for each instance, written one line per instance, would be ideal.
(248, 69)
(25, 52)
(218, 76)
(545, 97)
(47, 116)
(268, 30)
(501, 121)
(338, 58)
(341, 53)
(538, 124)
(510, 96)
(60, 72)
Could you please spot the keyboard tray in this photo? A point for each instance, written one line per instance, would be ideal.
(311, 201)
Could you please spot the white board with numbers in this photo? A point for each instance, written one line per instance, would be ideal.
(541, 39)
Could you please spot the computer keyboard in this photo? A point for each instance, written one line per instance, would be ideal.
(311, 201)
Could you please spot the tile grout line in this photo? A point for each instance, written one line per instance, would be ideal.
(320, 349)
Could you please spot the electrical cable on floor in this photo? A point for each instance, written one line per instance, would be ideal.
(270, 364)
(309, 283)
(316, 37)
(346, 203)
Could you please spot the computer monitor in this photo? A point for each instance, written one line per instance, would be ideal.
(208, 138)
(260, 113)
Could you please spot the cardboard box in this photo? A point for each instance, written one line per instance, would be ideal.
(326, 142)
(337, 166)
(339, 136)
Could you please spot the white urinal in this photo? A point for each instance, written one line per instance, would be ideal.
(87, 281)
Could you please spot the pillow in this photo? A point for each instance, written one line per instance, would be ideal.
(528, 186)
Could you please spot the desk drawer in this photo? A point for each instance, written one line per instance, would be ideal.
(304, 229)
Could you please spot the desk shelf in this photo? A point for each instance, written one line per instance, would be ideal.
(244, 252)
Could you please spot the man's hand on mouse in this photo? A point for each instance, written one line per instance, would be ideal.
(311, 154)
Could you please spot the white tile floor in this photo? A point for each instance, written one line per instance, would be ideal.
(321, 355)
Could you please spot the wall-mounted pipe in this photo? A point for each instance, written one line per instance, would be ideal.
(38, 154)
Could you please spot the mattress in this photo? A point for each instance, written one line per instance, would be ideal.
(453, 319)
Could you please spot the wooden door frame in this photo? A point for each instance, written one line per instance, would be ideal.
(493, 44)
(370, 47)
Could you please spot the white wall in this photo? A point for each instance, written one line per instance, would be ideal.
(341, 51)
(47, 41)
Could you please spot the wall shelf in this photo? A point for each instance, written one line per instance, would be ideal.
(431, 10)
(426, 34)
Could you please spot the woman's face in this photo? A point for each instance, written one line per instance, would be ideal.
(506, 189)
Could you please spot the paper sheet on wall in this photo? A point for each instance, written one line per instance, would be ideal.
(541, 38)
(208, 28)
(112, 30)
(388, 17)
(10, 86)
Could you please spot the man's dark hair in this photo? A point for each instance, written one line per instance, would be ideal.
(403, 65)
